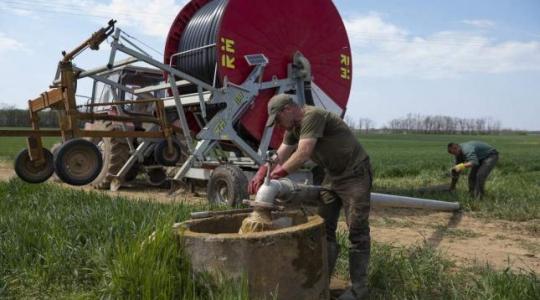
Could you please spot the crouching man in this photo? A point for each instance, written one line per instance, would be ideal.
(477, 156)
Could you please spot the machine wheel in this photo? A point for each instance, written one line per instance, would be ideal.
(78, 162)
(162, 155)
(32, 172)
(227, 185)
(55, 147)
(115, 153)
(156, 176)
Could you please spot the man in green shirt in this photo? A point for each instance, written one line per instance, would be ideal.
(480, 158)
(313, 133)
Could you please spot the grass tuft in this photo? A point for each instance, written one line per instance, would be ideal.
(421, 272)
(64, 243)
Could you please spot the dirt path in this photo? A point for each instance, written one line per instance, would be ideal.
(136, 191)
(6, 171)
(465, 239)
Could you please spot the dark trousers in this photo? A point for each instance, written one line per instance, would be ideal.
(353, 194)
(479, 174)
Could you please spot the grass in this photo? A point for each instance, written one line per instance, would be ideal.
(391, 222)
(404, 163)
(421, 272)
(61, 243)
(11, 146)
(457, 233)
(530, 246)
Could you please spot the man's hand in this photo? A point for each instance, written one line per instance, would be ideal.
(257, 180)
(278, 172)
(459, 168)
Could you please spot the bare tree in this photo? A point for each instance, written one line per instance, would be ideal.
(350, 122)
(369, 124)
(439, 124)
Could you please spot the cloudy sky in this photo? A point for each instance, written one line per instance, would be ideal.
(460, 58)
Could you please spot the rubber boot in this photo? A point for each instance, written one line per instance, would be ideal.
(333, 253)
(358, 266)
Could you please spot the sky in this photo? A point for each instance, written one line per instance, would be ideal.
(461, 58)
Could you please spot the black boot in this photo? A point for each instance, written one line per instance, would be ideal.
(358, 266)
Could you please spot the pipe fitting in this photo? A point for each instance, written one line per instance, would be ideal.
(284, 191)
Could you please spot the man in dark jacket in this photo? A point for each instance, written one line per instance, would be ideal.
(477, 156)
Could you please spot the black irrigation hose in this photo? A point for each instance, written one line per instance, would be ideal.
(201, 31)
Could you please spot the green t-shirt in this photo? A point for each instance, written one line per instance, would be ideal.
(475, 151)
(337, 150)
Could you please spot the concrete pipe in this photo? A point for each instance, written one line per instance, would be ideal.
(288, 262)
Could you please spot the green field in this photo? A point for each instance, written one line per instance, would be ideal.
(404, 163)
(62, 243)
(11, 146)
(58, 243)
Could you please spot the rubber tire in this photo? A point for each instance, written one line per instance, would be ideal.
(233, 179)
(31, 176)
(62, 170)
(160, 154)
(115, 153)
(55, 147)
(151, 176)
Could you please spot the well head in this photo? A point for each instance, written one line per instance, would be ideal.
(289, 262)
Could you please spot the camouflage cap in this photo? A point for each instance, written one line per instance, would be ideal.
(275, 105)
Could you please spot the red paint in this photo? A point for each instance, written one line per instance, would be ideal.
(277, 28)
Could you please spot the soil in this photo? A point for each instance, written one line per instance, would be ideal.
(136, 191)
(462, 237)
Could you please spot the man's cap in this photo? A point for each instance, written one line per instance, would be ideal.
(275, 105)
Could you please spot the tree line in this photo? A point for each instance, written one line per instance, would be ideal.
(429, 124)
(414, 123)
(364, 125)
(16, 117)
(417, 123)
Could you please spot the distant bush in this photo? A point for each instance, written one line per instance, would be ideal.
(443, 124)
(16, 117)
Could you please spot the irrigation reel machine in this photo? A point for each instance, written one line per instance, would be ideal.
(201, 109)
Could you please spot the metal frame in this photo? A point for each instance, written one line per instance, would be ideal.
(221, 127)
(234, 100)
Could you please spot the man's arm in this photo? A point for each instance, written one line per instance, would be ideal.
(300, 156)
(284, 152)
(471, 159)
(455, 179)
(465, 160)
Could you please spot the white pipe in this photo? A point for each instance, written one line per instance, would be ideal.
(288, 191)
(410, 202)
